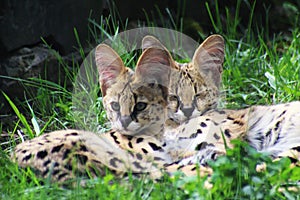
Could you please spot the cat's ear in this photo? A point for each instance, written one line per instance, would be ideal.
(154, 66)
(151, 42)
(209, 57)
(109, 65)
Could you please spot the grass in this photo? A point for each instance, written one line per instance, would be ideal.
(257, 70)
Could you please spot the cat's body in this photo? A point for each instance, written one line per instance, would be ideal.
(271, 129)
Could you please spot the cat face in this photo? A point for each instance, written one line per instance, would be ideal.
(135, 102)
(194, 86)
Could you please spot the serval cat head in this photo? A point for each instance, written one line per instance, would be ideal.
(136, 103)
(194, 86)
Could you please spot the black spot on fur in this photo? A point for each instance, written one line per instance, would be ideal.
(180, 167)
(230, 118)
(55, 172)
(74, 134)
(96, 161)
(215, 123)
(154, 146)
(81, 158)
(130, 144)
(68, 167)
(26, 158)
(182, 138)
(55, 164)
(158, 158)
(57, 148)
(47, 162)
(137, 165)
(24, 151)
(202, 124)
(42, 154)
(66, 153)
(129, 137)
(139, 140)
(293, 160)
(216, 136)
(227, 133)
(83, 148)
(238, 122)
(113, 162)
(45, 172)
(110, 152)
(282, 114)
(62, 176)
(114, 137)
(139, 156)
(194, 135)
(268, 133)
(199, 131)
(194, 168)
(296, 148)
(277, 126)
(214, 156)
(200, 146)
(144, 150)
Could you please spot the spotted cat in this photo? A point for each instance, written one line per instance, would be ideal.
(271, 129)
(134, 145)
(126, 96)
(194, 86)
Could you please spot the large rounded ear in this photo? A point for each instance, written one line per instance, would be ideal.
(109, 65)
(209, 57)
(154, 67)
(151, 42)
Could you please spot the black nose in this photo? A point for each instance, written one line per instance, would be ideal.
(187, 111)
(125, 121)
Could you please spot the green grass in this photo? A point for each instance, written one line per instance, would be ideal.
(257, 70)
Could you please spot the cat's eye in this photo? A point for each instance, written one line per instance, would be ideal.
(115, 106)
(201, 95)
(173, 98)
(140, 106)
(173, 102)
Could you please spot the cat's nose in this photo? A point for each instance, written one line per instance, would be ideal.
(187, 111)
(125, 120)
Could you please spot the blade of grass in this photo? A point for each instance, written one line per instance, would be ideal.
(20, 116)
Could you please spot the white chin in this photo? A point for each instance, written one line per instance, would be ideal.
(132, 129)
